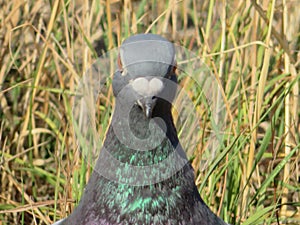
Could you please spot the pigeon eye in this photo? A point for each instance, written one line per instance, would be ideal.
(171, 71)
(174, 69)
(120, 65)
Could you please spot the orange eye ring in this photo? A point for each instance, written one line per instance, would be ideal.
(120, 66)
(174, 67)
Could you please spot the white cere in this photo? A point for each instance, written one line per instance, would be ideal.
(140, 85)
(155, 85)
(147, 87)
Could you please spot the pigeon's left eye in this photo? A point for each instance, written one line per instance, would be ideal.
(171, 72)
(174, 69)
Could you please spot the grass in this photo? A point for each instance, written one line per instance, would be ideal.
(252, 50)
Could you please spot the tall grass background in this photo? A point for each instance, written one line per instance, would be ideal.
(252, 47)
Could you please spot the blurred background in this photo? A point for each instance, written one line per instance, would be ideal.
(251, 47)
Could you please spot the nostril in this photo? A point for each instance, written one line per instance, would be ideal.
(153, 97)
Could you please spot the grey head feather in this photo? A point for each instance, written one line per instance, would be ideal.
(147, 55)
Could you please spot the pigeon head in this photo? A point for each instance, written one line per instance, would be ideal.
(146, 72)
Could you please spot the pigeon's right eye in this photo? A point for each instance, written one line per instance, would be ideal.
(120, 66)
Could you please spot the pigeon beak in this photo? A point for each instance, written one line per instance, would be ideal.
(148, 110)
(147, 104)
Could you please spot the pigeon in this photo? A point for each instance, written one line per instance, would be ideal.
(142, 175)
